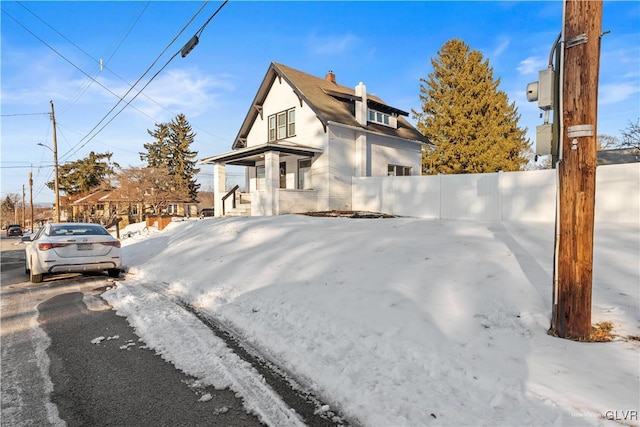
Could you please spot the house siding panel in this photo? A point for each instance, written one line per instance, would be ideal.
(341, 158)
(281, 98)
(296, 201)
(386, 151)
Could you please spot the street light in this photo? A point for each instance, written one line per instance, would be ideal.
(56, 183)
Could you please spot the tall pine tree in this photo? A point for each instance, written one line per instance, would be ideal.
(171, 148)
(85, 175)
(466, 117)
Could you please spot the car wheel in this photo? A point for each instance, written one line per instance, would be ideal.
(113, 272)
(35, 278)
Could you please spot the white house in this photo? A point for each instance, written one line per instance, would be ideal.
(305, 137)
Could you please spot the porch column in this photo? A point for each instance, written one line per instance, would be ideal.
(361, 154)
(271, 181)
(219, 180)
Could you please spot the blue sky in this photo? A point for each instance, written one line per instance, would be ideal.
(386, 45)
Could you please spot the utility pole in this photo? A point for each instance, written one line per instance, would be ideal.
(55, 163)
(23, 205)
(31, 198)
(582, 30)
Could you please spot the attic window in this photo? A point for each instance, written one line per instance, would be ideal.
(380, 118)
(282, 125)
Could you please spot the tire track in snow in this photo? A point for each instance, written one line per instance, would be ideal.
(314, 412)
(196, 346)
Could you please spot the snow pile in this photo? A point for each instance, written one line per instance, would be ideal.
(396, 321)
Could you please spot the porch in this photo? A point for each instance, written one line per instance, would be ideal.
(278, 178)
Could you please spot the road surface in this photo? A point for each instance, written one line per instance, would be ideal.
(68, 359)
(57, 368)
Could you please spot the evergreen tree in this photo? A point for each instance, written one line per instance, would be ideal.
(171, 148)
(85, 175)
(470, 122)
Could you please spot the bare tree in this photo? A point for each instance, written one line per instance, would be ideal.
(152, 187)
(631, 135)
(607, 142)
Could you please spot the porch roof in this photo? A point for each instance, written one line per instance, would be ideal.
(250, 155)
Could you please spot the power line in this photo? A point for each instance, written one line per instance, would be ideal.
(121, 99)
(150, 80)
(67, 60)
(24, 114)
(104, 65)
(86, 86)
(82, 90)
(72, 150)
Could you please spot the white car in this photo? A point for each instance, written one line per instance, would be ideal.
(71, 248)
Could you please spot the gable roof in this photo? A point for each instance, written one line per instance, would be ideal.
(618, 156)
(329, 101)
(112, 195)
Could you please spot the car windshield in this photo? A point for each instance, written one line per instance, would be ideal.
(77, 230)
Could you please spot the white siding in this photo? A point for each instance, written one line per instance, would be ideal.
(309, 130)
(296, 201)
(340, 168)
(509, 196)
(387, 151)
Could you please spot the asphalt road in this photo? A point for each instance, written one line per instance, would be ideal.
(97, 371)
(68, 359)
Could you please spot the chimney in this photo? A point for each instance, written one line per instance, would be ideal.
(361, 106)
(330, 77)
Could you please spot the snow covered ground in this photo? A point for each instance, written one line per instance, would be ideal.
(394, 322)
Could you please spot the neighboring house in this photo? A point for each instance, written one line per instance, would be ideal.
(305, 137)
(618, 156)
(104, 206)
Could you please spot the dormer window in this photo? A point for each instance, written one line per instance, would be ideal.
(282, 125)
(380, 118)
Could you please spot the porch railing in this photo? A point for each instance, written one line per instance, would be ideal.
(231, 192)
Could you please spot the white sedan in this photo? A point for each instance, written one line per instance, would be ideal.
(71, 248)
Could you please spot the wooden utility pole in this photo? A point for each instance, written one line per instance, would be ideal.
(24, 224)
(55, 163)
(582, 29)
(31, 198)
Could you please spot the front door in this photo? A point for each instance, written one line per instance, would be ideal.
(283, 175)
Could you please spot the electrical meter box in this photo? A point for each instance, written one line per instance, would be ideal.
(545, 89)
(532, 92)
(544, 139)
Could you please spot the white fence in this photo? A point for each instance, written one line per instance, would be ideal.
(509, 196)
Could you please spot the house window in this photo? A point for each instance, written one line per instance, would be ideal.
(134, 210)
(291, 122)
(100, 207)
(282, 125)
(304, 174)
(272, 128)
(260, 177)
(378, 117)
(172, 209)
(395, 170)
